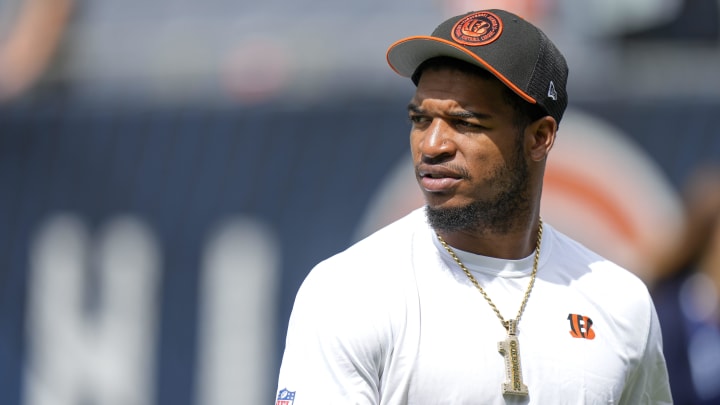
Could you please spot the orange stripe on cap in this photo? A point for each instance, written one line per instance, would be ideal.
(473, 56)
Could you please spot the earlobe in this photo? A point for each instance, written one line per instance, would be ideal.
(541, 137)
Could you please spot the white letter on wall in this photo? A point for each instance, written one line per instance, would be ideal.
(237, 315)
(106, 356)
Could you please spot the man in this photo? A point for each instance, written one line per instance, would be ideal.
(473, 299)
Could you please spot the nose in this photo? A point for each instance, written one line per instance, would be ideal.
(437, 143)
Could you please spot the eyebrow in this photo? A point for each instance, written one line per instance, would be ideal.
(415, 108)
(464, 114)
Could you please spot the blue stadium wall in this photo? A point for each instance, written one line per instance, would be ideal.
(307, 173)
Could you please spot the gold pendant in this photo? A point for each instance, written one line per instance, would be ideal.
(510, 349)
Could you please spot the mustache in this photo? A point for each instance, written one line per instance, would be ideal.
(457, 169)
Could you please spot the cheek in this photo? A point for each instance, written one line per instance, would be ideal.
(481, 156)
(485, 164)
(415, 139)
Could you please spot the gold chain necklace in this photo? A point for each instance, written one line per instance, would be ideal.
(510, 347)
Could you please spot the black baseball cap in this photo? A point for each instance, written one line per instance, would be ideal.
(515, 51)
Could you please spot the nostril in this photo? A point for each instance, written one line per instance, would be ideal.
(436, 159)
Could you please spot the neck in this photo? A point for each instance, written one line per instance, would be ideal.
(517, 243)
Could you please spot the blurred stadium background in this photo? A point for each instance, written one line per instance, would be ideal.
(170, 170)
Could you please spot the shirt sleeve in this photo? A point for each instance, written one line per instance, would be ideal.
(649, 383)
(336, 341)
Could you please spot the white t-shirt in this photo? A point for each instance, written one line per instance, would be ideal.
(393, 320)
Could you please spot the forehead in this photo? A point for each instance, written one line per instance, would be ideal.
(449, 86)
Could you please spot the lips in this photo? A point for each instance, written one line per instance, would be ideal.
(438, 179)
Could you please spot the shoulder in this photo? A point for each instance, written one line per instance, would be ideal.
(603, 284)
(390, 244)
(360, 295)
(583, 265)
(374, 266)
(617, 302)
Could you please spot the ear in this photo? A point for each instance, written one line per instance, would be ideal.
(540, 137)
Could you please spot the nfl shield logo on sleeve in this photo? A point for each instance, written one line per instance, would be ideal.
(285, 397)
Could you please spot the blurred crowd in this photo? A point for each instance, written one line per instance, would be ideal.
(687, 294)
(248, 50)
(31, 34)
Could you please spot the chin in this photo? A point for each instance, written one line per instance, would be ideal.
(439, 201)
(452, 218)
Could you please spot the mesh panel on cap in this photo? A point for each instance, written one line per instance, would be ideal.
(550, 66)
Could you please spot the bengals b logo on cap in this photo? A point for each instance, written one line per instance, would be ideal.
(477, 29)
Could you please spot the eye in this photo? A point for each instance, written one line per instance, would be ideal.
(417, 119)
(468, 125)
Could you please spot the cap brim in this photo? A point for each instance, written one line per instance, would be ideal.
(406, 55)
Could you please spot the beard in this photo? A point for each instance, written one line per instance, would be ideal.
(498, 214)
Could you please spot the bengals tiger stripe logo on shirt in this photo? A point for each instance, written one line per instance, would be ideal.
(581, 326)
